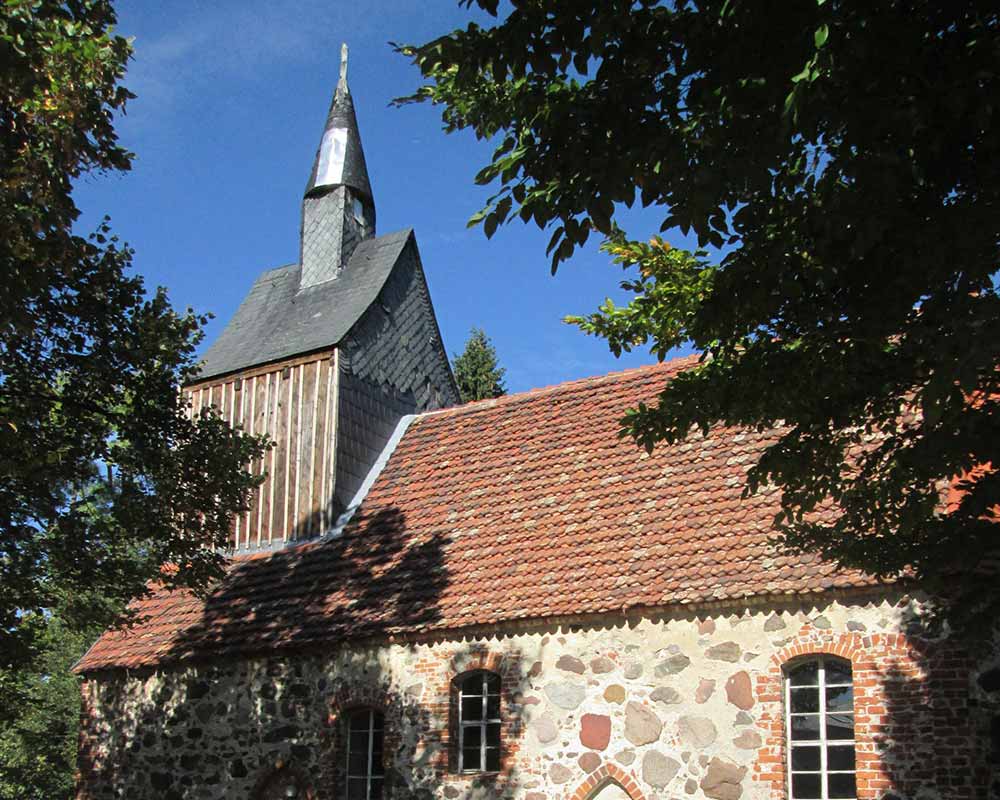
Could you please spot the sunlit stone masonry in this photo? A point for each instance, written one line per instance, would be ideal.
(503, 599)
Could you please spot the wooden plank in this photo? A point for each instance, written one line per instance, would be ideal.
(309, 521)
(264, 510)
(276, 520)
(290, 407)
(328, 447)
(296, 490)
(317, 500)
(260, 425)
(238, 419)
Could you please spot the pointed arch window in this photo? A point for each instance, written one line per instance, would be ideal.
(479, 723)
(365, 765)
(819, 725)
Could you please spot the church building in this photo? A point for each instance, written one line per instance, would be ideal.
(502, 599)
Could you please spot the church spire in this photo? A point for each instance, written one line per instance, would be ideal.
(340, 159)
(338, 209)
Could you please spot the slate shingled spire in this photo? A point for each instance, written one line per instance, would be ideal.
(338, 209)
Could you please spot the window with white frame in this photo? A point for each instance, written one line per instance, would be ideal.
(365, 771)
(819, 724)
(479, 723)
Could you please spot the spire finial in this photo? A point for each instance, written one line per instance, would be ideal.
(343, 66)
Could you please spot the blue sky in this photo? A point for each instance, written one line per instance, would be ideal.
(231, 100)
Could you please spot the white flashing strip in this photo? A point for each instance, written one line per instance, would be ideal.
(332, 153)
(370, 478)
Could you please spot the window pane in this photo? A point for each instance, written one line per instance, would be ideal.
(806, 727)
(840, 698)
(840, 759)
(473, 685)
(472, 736)
(471, 759)
(472, 708)
(493, 759)
(356, 788)
(378, 722)
(839, 726)
(359, 721)
(805, 759)
(841, 785)
(493, 707)
(837, 672)
(493, 683)
(359, 742)
(377, 768)
(805, 675)
(357, 763)
(375, 792)
(806, 786)
(805, 701)
(493, 735)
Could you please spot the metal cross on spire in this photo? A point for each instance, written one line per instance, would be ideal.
(343, 65)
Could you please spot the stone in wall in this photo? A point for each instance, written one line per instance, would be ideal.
(727, 651)
(565, 694)
(723, 780)
(673, 665)
(571, 664)
(697, 732)
(642, 726)
(615, 693)
(595, 731)
(739, 692)
(658, 770)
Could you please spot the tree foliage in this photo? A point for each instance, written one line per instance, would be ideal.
(477, 372)
(38, 735)
(104, 478)
(843, 159)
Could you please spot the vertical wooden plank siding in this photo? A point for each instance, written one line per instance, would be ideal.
(289, 405)
(296, 486)
(263, 412)
(295, 405)
(319, 448)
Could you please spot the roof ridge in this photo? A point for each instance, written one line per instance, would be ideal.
(593, 380)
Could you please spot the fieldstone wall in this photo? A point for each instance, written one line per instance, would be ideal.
(645, 707)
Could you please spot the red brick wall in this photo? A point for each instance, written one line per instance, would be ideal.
(915, 727)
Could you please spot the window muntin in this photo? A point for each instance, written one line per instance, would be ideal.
(479, 723)
(819, 707)
(365, 770)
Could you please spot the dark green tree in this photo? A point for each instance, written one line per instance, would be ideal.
(91, 365)
(38, 735)
(477, 373)
(844, 161)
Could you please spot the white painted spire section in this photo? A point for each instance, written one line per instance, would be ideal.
(333, 147)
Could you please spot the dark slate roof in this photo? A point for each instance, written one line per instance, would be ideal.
(277, 319)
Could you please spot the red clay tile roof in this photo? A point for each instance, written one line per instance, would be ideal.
(525, 507)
